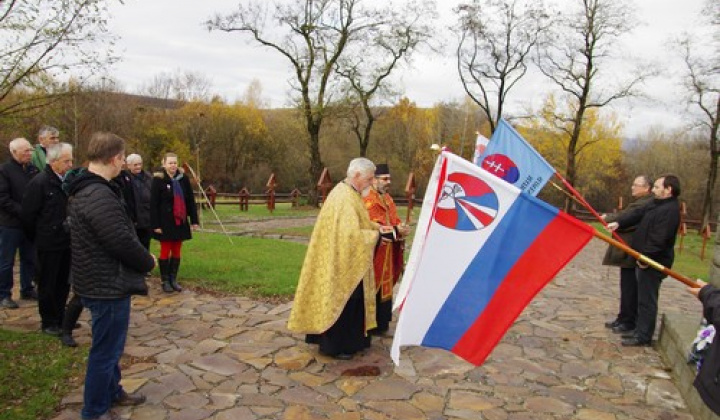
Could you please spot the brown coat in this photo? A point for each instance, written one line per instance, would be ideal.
(614, 256)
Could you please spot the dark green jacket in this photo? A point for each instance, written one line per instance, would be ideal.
(614, 256)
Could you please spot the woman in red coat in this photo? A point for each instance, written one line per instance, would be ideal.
(171, 205)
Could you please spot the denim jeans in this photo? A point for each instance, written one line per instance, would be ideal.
(12, 240)
(110, 319)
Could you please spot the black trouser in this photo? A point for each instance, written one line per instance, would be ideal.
(649, 281)
(144, 235)
(53, 285)
(72, 314)
(628, 297)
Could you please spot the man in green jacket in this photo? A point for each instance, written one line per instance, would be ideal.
(47, 136)
(625, 321)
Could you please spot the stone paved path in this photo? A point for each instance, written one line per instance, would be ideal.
(202, 356)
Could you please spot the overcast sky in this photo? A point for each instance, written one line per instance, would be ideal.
(168, 36)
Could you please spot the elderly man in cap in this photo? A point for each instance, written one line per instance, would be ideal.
(388, 260)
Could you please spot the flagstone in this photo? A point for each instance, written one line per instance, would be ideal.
(149, 412)
(293, 358)
(428, 403)
(220, 364)
(221, 401)
(187, 400)
(156, 392)
(387, 389)
(142, 351)
(397, 410)
(548, 405)
(662, 393)
(132, 384)
(177, 381)
(208, 346)
(463, 400)
(190, 414)
(260, 400)
(238, 413)
(302, 395)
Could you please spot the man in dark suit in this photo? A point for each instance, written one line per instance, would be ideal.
(14, 176)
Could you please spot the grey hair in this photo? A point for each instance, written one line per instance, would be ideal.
(646, 179)
(360, 165)
(15, 143)
(133, 157)
(46, 130)
(56, 150)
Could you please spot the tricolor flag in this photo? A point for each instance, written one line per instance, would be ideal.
(510, 157)
(484, 251)
(481, 144)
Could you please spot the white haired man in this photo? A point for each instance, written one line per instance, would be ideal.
(335, 298)
(14, 177)
(44, 217)
(141, 181)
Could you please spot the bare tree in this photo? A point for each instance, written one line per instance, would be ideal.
(180, 85)
(497, 38)
(367, 66)
(702, 84)
(312, 35)
(584, 41)
(40, 39)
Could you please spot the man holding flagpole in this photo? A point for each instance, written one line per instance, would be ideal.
(654, 238)
(335, 299)
(625, 320)
(389, 252)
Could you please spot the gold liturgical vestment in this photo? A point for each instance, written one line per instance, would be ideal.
(339, 256)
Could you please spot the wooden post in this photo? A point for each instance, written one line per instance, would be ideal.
(706, 234)
(410, 188)
(271, 184)
(244, 196)
(295, 198)
(211, 193)
(324, 184)
(682, 229)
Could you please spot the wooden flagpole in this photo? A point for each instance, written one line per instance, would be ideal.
(207, 200)
(580, 200)
(645, 260)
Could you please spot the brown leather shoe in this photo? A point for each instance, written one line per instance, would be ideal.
(126, 400)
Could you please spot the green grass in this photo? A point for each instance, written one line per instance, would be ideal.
(250, 266)
(258, 211)
(37, 371)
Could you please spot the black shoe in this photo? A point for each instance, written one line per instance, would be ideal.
(635, 342)
(52, 330)
(127, 400)
(8, 303)
(68, 340)
(629, 334)
(623, 328)
(167, 287)
(612, 324)
(31, 295)
(343, 356)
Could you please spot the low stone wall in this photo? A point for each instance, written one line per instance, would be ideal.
(677, 332)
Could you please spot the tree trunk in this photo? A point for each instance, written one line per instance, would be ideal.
(715, 263)
(708, 197)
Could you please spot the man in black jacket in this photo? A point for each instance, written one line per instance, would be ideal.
(108, 266)
(655, 238)
(141, 181)
(14, 176)
(43, 215)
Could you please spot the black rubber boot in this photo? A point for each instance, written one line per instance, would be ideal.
(174, 267)
(165, 275)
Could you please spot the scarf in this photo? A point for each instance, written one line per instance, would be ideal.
(179, 210)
